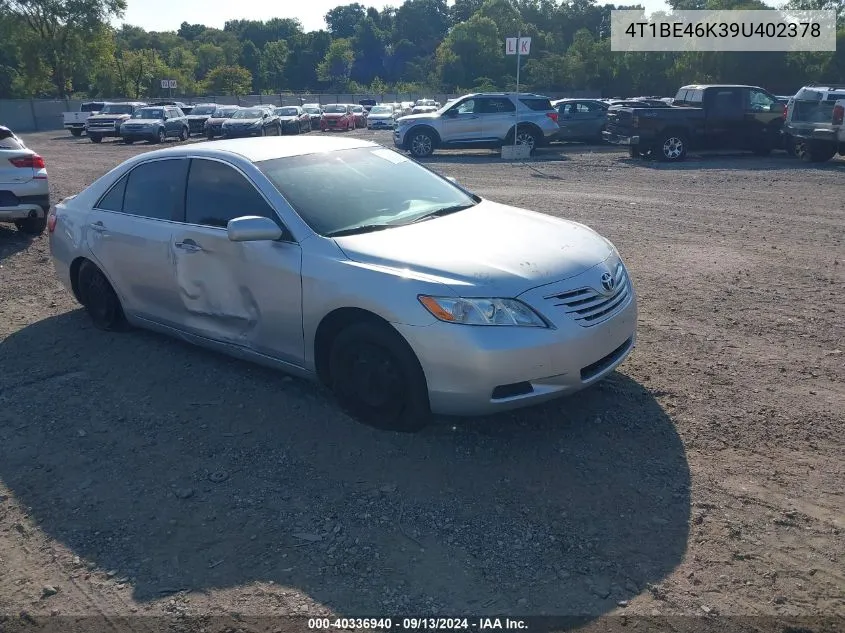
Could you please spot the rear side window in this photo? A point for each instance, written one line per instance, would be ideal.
(113, 200)
(495, 105)
(156, 189)
(91, 107)
(218, 193)
(537, 103)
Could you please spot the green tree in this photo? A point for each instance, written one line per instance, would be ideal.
(472, 49)
(342, 20)
(337, 64)
(229, 80)
(62, 28)
(274, 59)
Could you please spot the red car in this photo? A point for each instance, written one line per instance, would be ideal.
(337, 116)
(360, 114)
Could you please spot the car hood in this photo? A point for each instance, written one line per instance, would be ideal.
(425, 116)
(379, 116)
(335, 115)
(488, 250)
(241, 121)
(143, 121)
(288, 119)
(109, 116)
(198, 116)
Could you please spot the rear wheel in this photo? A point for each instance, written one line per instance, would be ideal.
(183, 136)
(525, 136)
(814, 151)
(99, 298)
(672, 148)
(377, 379)
(32, 226)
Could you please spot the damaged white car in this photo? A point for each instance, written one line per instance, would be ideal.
(341, 260)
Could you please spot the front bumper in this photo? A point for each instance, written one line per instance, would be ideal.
(379, 124)
(618, 139)
(196, 126)
(240, 132)
(102, 130)
(477, 370)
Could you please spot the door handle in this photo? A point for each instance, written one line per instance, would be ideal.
(97, 226)
(188, 245)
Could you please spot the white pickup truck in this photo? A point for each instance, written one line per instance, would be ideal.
(75, 121)
(814, 122)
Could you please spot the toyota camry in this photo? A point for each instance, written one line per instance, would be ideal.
(406, 295)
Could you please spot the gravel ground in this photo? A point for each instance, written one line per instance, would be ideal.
(705, 476)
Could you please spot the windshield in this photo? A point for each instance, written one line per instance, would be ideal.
(335, 109)
(224, 113)
(312, 110)
(208, 110)
(381, 110)
(253, 113)
(425, 102)
(348, 188)
(287, 112)
(116, 108)
(149, 113)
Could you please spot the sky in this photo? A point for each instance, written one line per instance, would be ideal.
(167, 15)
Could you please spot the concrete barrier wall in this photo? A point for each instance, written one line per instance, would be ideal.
(33, 115)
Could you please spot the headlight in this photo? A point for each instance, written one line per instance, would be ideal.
(485, 311)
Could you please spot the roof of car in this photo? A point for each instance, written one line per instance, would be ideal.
(264, 148)
(703, 86)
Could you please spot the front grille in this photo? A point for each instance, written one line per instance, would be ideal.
(589, 307)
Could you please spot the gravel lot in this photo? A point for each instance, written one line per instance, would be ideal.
(142, 475)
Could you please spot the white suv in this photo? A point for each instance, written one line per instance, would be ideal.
(482, 120)
(24, 191)
(814, 123)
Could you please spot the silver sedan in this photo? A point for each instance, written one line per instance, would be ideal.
(347, 262)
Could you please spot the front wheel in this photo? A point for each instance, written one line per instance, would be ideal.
(99, 298)
(183, 136)
(209, 136)
(95, 138)
(76, 131)
(421, 145)
(32, 226)
(128, 141)
(634, 151)
(377, 379)
(162, 136)
(672, 148)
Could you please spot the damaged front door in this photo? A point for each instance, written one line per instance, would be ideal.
(243, 293)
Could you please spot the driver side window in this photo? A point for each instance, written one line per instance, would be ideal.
(218, 193)
(760, 101)
(467, 107)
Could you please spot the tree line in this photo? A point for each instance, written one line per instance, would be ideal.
(67, 48)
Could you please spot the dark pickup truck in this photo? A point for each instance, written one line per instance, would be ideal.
(701, 117)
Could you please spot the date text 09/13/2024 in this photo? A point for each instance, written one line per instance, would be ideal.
(417, 624)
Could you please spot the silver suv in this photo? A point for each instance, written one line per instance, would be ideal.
(482, 120)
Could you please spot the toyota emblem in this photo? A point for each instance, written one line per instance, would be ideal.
(607, 282)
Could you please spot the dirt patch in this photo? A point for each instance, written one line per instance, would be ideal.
(141, 475)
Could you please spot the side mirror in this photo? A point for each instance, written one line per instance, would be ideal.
(253, 228)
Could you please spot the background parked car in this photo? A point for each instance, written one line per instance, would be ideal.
(75, 121)
(155, 124)
(337, 116)
(214, 125)
(184, 107)
(108, 121)
(200, 113)
(24, 191)
(255, 121)
(294, 119)
(360, 115)
(316, 112)
(381, 117)
(367, 104)
(581, 119)
(814, 124)
(424, 105)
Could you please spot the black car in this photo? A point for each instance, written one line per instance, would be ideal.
(254, 121)
(316, 113)
(295, 120)
(368, 104)
(200, 113)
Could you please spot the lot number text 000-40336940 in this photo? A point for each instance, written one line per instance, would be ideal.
(749, 31)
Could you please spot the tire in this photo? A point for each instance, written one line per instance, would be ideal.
(814, 151)
(524, 136)
(162, 136)
(209, 136)
(789, 145)
(32, 226)
(95, 138)
(421, 144)
(263, 131)
(634, 151)
(672, 148)
(99, 298)
(128, 141)
(184, 134)
(377, 379)
(279, 130)
(76, 132)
